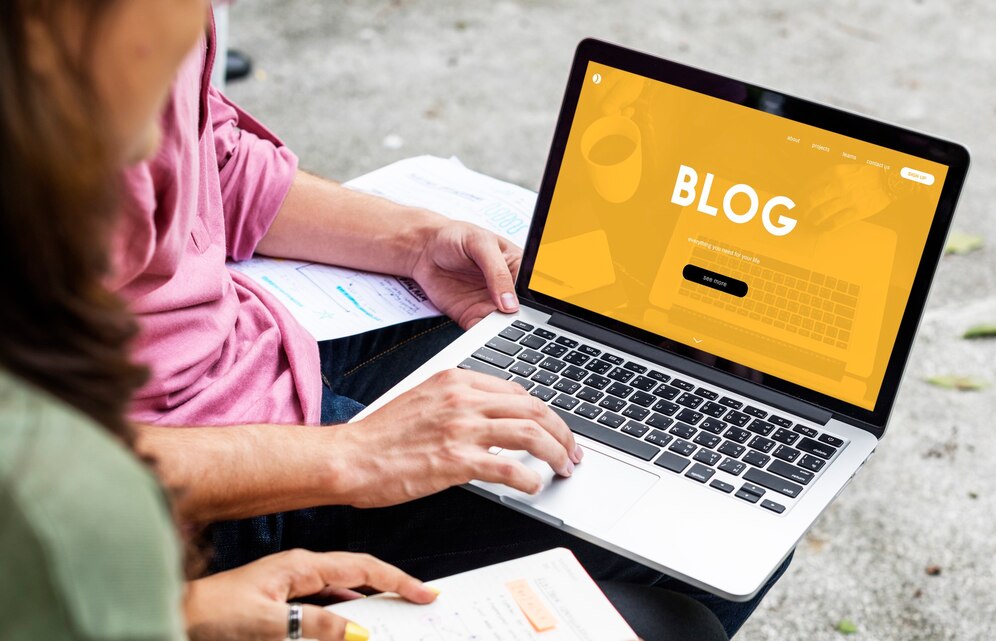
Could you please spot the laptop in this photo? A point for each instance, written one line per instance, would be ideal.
(719, 293)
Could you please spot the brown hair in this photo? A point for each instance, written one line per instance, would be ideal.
(60, 328)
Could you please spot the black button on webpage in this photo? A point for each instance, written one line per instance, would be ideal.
(716, 281)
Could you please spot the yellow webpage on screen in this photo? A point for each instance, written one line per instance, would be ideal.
(776, 245)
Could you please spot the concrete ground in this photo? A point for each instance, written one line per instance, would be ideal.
(353, 85)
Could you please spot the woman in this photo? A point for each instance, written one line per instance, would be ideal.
(87, 546)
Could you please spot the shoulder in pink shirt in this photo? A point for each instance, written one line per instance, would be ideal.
(221, 350)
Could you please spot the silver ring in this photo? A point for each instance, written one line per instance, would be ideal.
(294, 616)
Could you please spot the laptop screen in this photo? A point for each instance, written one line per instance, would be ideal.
(776, 245)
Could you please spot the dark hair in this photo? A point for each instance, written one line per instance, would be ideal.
(60, 328)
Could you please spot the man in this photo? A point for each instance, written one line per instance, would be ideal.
(222, 352)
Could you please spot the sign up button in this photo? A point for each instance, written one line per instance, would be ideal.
(917, 176)
(732, 286)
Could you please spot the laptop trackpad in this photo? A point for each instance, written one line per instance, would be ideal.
(597, 495)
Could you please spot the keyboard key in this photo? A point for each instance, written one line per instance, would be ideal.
(612, 403)
(552, 349)
(780, 421)
(658, 376)
(756, 412)
(545, 378)
(782, 435)
(736, 418)
(612, 358)
(753, 489)
(731, 449)
(713, 409)
(786, 453)
(590, 394)
(566, 402)
(512, 334)
(543, 333)
(812, 463)
(807, 431)
(478, 366)
(760, 427)
(682, 384)
(532, 342)
(659, 421)
(596, 381)
(611, 420)
(791, 472)
(589, 350)
(567, 386)
(530, 356)
(700, 473)
(525, 383)
(499, 344)
(658, 437)
(567, 342)
(778, 508)
(707, 456)
(713, 425)
(731, 402)
(577, 358)
(821, 450)
(683, 430)
(636, 412)
(526, 327)
(689, 416)
(636, 429)
(689, 400)
(666, 407)
(636, 367)
(707, 393)
(666, 391)
(762, 444)
(574, 373)
(705, 439)
(756, 458)
(588, 410)
(672, 462)
(607, 436)
(831, 440)
(737, 434)
(620, 390)
(772, 482)
(642, 399)
(620, 374)
(731, 466)
(722, 486)
(643, 383)
(542, 393)
(493, 358)
(747, 496)
(599, 367)
(682, 447)
(522, 369)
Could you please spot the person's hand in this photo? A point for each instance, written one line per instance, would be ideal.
(468, 272)
(250, 602)
(438, 434)
(846, 194)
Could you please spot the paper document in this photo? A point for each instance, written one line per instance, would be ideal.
(546, 596)
(332, 302)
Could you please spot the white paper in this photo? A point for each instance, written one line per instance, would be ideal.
(332, 302)
(478, 605)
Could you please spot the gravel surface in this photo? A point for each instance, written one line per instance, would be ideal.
(354, 85)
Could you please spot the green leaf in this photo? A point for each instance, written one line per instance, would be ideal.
(962, 243)
(961, 383)
(846, 626)
(986, 330)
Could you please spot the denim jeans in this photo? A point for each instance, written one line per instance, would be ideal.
(449, 532)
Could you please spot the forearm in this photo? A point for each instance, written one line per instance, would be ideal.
(222, 473)
(323, 221)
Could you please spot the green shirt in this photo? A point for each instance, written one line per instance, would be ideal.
(87, 546)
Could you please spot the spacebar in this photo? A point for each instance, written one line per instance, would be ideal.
(609, 437)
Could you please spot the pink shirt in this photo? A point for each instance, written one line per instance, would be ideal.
(221, 350)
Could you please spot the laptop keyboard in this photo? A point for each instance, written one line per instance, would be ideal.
(665, 419)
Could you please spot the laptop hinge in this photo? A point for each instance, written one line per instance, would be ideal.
(697, 370)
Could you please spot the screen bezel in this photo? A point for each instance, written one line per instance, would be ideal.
(953, 155)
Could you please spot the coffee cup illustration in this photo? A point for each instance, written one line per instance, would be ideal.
(613, 153)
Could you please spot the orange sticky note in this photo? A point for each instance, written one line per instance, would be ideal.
(532, 606)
